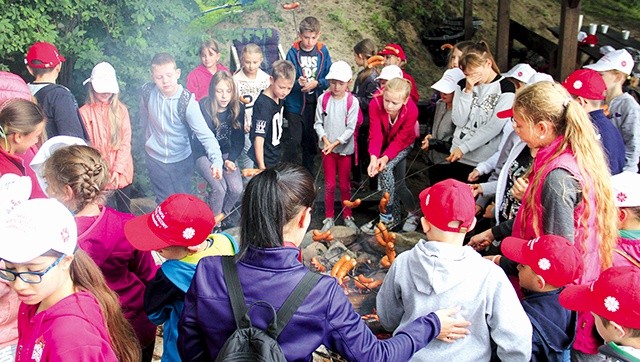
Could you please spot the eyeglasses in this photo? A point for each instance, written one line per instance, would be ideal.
(27, 277)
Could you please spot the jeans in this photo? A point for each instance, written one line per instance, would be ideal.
(170, 178)
(302, 134)
(342, 164)
(244, 161)
(224, 192)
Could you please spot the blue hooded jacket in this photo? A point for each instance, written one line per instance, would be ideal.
(295, 101)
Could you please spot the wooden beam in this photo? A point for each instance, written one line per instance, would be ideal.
(502, 41)
(568, 39)
(468, 19)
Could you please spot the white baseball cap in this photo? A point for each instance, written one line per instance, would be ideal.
(390, 72)
(625, 189)
(103, 79)
(46, 150)
(341, 71)
(14, 190)
(615, 60)
(540, 77)
(521, 72)
(449, 81)
(34, 227)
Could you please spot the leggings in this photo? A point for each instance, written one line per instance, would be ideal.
(392, 180)
(224, 192)
(342, 164)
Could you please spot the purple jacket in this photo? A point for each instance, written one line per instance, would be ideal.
(326, 317)
(126, 270)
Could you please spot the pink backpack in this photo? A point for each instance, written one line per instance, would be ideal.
(350, 98)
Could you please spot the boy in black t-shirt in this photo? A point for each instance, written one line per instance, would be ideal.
(266, 122)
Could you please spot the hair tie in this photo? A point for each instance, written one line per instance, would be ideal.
(566, 102)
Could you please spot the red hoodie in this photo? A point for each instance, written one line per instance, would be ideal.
(71, 330)
(199, 78)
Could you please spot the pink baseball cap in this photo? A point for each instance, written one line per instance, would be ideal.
(615, 295)
(180, 220)
(449, 201)
(552, 257)
(45, 53)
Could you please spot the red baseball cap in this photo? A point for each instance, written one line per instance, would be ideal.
(507, 113)
(615, 295)
(586, 83)
(552, 257)
(45, 53)
(447, 201)
(180, 220)
(393, 49)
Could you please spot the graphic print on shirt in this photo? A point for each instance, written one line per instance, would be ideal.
(488, 105)
(309, 66)
(38, 349)
(247, 90)
(276, 127)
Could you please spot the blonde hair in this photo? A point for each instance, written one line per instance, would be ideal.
(251, 48)
(83, 169)
(476, 54)
(283, 69)
(115, 115)
(211, 105)
(399, 85)
(547, 101)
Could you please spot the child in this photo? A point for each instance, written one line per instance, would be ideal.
(615, 67)
(67, 312)
(266, 123)
(312, 61)
(44, 63)
(276, 212)
(475, 106)
(22, 124)
(438, 141)
(364, 86)
(440, 271)
(250, 81)
(588, 88)
(456, 53)
(77, 176)
(199, 78)
(224, 114)
(394, 55)
(386, 74)
(335, 126)
(107, 122)
(627, 199)
(169, 158)
(546, 265)
(613, 299)
(177, 230)
(569, 192)
(520, 74)
(391, 136)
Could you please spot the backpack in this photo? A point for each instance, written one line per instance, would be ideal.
(249, 343)
(350, 97)
(183, 102)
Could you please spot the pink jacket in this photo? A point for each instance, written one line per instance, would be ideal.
(585, 341)
(126, 270)
(95, 117)
(199, 78)
(387, 140)
(71, 330)
(19, 165)
(628, 247)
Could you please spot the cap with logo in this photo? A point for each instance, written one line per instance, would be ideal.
(586, 83)
(626, 192)
(522, 72)
(619, 60)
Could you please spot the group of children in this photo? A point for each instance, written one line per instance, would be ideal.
(86, 266)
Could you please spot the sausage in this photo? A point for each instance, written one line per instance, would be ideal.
(359, 284)
(375, 64)
(218, 218)
(244, 100)
(352, 204)
(384, 231)
(384, 262)
(375, 59)
(316, 264)
(250, 172)
(391, 252)
(346, 267)
(446, 46)
(291, 6)
(337, 265)
(364, 279)
(374, 284)
(322, 236)
(378, 235)
(384, 201)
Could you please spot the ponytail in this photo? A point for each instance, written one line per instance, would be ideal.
(86, 275)
(476, 54)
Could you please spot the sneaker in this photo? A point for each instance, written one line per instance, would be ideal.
(351, 224)
(369, 228)
(327, 224)
(411, 223)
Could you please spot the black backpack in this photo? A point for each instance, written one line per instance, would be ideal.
(249, 343)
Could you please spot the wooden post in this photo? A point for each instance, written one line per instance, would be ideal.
(502, 41)
(468, 19)
(568, 38)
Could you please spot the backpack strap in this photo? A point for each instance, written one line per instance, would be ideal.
(628, 257)
(295, 299)
(183, 103)
(146, 92)
(238, 303)
(325, 101)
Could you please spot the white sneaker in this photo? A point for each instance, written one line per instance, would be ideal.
(351, 224)
(327, 224)
(411, 224)
(369, 228)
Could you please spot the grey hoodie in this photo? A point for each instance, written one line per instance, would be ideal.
(435, 275)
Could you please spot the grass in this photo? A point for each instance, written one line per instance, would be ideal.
(621, 14)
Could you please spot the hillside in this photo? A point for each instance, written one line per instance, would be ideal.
(346, 22)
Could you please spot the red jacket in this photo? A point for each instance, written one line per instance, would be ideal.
(387, 140)
(71, 330)
(12, 163)
(415, 96)
(199, 78)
